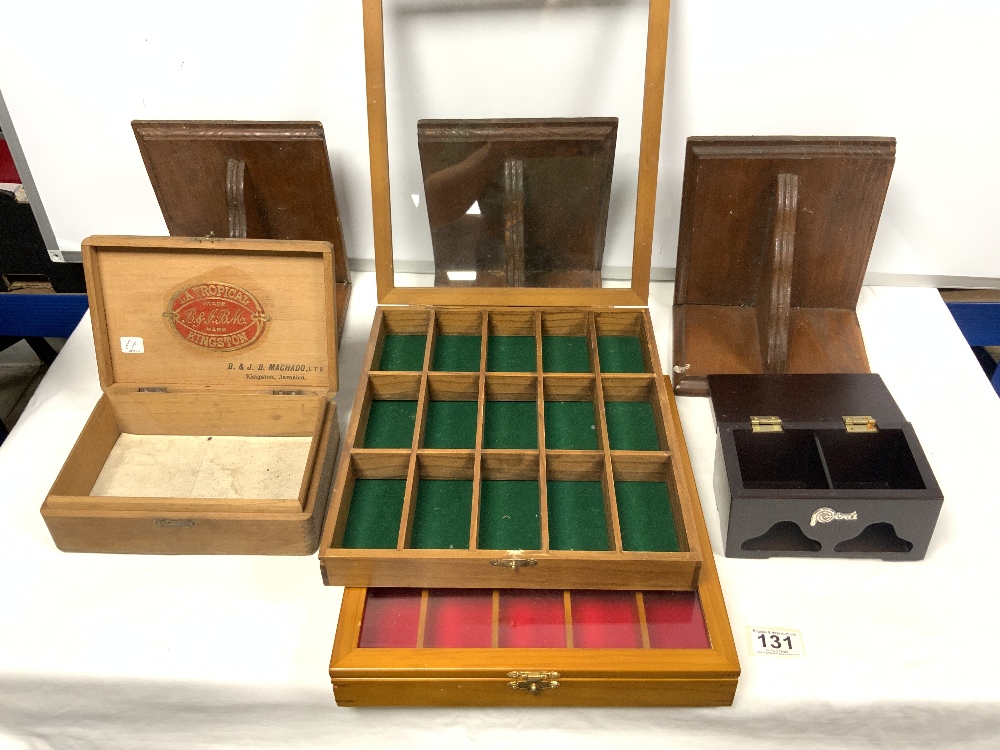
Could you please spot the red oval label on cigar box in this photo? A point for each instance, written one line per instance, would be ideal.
(217, 316)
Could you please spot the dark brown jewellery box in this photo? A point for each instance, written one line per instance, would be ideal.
(819, 466)
(775, 235)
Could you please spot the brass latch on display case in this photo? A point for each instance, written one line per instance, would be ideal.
(860, 424)
(765, 424)
(514, 562)
(533, 682)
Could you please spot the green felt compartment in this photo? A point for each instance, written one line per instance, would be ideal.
(455, 353)
(631, 426)
(376, 509)
(403, 352)
(565, 354)
(451, 424)
(510, 424)
(390, 424)
(510, 354)
(443, 514)
(645, 518)
(570, 425)
(576, 516)
(509, 515)
(620, 354)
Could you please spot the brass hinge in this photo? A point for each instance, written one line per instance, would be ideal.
(860, 424)
(765, 424)
(533, 682)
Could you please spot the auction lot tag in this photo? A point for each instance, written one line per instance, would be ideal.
(775, 642)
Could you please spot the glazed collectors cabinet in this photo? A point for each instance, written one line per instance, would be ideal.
(526, 448)
(514, 515)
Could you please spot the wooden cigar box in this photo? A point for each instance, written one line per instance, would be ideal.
(513, 431)
(775, 236)
(217, 432)
(819, 466)
(537, 647)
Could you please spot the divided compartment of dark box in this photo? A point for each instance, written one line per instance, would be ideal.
(815, 488)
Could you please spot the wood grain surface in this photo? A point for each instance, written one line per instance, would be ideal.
(780, 228)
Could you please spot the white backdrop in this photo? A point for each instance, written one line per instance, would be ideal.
(74, 75)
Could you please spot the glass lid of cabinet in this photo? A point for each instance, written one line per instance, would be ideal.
(513, 136)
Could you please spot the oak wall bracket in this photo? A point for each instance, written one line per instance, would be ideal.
(775, 236)
(259, 180)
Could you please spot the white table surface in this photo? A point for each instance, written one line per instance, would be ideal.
(113, 651)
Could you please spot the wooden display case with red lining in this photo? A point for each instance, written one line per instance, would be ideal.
(443, 647)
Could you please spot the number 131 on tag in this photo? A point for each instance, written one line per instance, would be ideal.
(775, 642)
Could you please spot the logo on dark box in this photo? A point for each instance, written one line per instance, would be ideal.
(825, 515)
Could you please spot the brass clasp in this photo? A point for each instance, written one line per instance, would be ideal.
(514, 562)
(533, 682)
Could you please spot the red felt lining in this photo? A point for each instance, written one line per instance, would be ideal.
(459, 618)
(462, 618)
(391, 619)
(605, 619)
(674, 619)
(532, 619)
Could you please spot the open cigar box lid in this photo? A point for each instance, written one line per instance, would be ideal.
(227, 314)
(260, 180)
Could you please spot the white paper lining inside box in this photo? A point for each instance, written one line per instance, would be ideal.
(189, 466)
